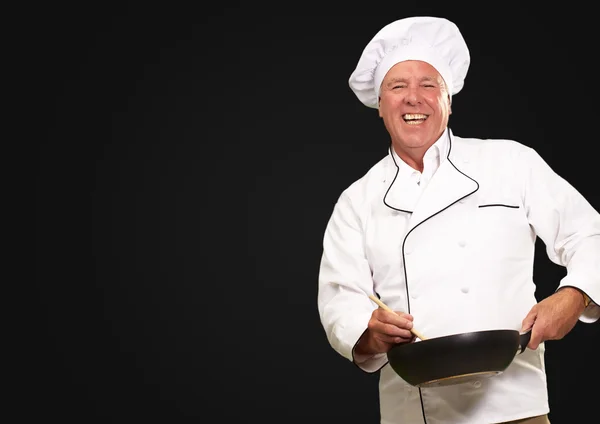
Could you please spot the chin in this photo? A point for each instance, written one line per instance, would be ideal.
(415, 141)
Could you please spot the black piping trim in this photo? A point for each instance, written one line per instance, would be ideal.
(404, 242)
(422, 406)
(500, 205)
(366, 372)
(371, 372)
(407, 234)
(392, 183)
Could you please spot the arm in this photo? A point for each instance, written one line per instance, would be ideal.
(355, 327)
(570, 228)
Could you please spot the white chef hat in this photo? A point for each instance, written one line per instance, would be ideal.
(436, 41)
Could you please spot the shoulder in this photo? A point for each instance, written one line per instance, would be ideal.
(369, 186)
(495, 150)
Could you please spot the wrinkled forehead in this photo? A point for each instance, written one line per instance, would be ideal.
(412, 71)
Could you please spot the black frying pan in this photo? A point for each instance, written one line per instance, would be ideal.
(457, 358)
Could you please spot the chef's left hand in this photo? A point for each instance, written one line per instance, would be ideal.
(554, 317)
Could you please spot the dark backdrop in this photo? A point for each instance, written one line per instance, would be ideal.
(188, 161)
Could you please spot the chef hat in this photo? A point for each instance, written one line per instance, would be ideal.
(436, 41)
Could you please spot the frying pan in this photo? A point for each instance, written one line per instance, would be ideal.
(457, 358)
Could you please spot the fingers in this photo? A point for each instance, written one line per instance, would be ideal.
(398, 319)
(529, 320)
(530, 323)
(537, 332)
(536, 338)
(391, 327)
(386, 329)
(391, 340)
(392, 331)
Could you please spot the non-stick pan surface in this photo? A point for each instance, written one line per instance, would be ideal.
(457, 358)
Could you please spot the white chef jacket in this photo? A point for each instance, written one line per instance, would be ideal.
(457, 254)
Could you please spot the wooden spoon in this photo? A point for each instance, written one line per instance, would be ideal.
(387, 308)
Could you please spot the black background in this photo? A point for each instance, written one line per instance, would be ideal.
(188, 161)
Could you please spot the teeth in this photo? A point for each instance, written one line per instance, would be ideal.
(412, 116)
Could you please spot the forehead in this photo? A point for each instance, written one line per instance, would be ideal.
(412, 69)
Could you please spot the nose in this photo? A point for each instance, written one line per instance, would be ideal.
(412, 97)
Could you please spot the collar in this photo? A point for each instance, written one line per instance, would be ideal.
(446, 187)
(433, 158)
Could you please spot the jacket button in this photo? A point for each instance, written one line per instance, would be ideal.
(464, 289)
(462, 243)
(477, 384)
(414, 295)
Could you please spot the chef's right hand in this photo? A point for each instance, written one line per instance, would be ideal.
(385, 329)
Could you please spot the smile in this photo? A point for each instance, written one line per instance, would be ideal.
(414, 118)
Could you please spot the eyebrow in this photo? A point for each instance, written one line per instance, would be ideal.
(397, 80)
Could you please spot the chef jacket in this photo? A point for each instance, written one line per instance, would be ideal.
(454, 247)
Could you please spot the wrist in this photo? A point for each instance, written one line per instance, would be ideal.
(585, 297)
(363, 347)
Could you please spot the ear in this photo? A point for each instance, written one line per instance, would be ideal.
(379, 107)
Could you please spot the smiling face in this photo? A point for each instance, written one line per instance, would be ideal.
(415, 107)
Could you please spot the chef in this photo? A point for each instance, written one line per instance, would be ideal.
(442, 229)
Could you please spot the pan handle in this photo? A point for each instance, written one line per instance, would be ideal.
(524, 340)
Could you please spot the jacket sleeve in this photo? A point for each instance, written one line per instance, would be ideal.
(568, 225)
(345, 283)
